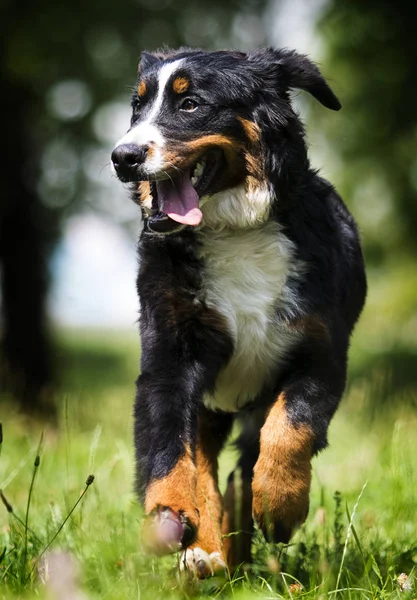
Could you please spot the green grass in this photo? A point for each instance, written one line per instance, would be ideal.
(358, 547)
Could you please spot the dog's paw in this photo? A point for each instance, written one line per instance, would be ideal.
(166, 531)
(201, 564)
(279, 524)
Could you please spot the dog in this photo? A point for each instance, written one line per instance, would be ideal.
(250, 282)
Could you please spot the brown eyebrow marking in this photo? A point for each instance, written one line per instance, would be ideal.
(141, 89)
(180, 85)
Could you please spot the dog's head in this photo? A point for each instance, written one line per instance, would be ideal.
(206, 122)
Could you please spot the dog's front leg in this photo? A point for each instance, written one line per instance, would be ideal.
(294, 430)
(166, 411)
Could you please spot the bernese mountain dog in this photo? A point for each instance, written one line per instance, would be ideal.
(251, 279)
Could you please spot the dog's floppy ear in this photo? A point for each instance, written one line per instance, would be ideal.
(297, 71)
(301, 73)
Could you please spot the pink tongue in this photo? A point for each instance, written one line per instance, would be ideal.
(179, 200)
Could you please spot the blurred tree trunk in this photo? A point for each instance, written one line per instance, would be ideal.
(25, 367)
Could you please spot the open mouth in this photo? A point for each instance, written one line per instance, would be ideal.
(175, 201)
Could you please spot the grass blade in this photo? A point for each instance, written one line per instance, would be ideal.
(348, 534)
(10, 510)
(90, 480)
(36, 464)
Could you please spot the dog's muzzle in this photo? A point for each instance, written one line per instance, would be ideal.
(127, 160)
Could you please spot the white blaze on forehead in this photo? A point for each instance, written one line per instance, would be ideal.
(146, 132)
(164, 75)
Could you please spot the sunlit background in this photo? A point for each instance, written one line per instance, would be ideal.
(68, 230)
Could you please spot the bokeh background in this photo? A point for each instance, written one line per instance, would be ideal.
(68, 229)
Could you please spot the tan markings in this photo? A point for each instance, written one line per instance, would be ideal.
(313, 327)
(252, 185)
(251, 129)
(180, 85)
(253, 157)
(209, 502)
(230, 146)
(145, 196)
(177, 490)
(186, 153)
(141, 89)
(282, 474)
(256, 178)
(254, 166)
(151, 152)
(237, 524)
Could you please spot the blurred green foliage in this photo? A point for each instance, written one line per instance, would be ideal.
(369, 151)
(371, 51)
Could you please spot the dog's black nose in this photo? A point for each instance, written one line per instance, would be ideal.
(127, 158)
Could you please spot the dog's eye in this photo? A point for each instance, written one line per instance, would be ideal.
(135, 110)
(188, 105)
(136, 105)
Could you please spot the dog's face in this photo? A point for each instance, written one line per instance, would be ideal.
(204, 122)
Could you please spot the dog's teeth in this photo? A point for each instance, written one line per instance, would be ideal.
(199, 169)
(194, 180)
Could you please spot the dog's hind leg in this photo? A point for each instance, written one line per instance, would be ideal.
(206, 554)
(237, 522)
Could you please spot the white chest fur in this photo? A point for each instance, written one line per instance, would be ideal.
(246, 273)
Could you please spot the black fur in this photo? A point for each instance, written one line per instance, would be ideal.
(183, 349)
(184, 343)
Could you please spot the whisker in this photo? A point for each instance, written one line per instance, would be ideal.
(105, 167)
(175, 167)
(169, 177)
